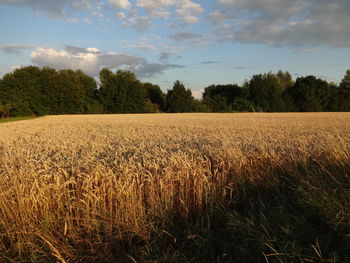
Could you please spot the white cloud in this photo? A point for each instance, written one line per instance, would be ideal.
(87, 21)
(97, 14)
(141, 44)
(135, 21)
(156, 43)
(197, 94)
(186, 11)
(151, 5)
(13, 68)
(92, 60)
(218, 17)
(120, 15)
(72, 20)
(123, 4)
(284, 22)
(53, 8)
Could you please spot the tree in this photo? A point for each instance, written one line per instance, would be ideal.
(121, 92)
(339, 98)
(21, 88)
(155, 95)
(265, 92)
(345, 83)
(5, 110)
(284, 80)
(71, 92)
(310, 94)
(217, 103)
(242, 104)
(220, 98)
(179, 99)
(90, 99)
(32, 90)
(200, 106)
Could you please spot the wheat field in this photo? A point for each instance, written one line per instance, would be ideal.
(137, 188)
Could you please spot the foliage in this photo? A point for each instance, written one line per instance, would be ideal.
(5, 110)
(179, 99)
(199, 106)
(121, 92)
(155, 95)
(265, 92)
(34, 91)
(310, 94)
(278, 93)
(345, 83)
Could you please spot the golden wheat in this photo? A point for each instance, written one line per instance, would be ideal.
(71, 184)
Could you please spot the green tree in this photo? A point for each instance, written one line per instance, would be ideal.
(71, 95)
(155, 96)
(32, 90)
(121, 92)
(179, 99)
(345, 83)
(284, 80)
(310, 94)
(339, 98)
(265, 93)
(5, 110)
(200, 106)
(220, 98)
(22, 89)
(90, 97)
(242, 104)
(217, 103)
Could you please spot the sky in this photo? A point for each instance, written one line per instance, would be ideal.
(197, 42)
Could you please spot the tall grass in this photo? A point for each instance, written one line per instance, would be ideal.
(176, 188)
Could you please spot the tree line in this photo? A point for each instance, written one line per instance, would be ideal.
(44, 91)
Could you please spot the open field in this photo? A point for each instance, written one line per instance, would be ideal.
(176, 188)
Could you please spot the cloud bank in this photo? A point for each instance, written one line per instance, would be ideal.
(297, 23)
(53, 8)
(184, 11)
(283, 22)
(92, 60)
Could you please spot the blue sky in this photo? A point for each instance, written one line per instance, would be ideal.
(197, 42)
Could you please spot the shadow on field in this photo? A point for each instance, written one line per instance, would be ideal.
(267, 211)
(298, 212)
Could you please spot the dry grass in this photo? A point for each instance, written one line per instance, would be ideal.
(87, 188)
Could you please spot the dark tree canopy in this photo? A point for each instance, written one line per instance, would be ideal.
(32, 90)
(121, 92)
(279, 93)
(265, 92)
(39, 91)
(220, 98)
(155, 96)
(345, 83)
(179, 99)
(310, 94)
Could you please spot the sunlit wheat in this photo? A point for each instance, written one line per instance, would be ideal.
(73, 185)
